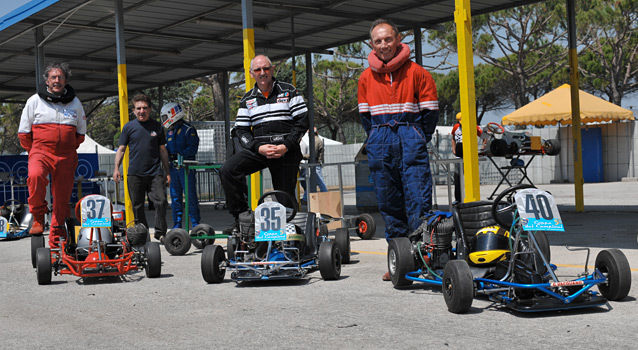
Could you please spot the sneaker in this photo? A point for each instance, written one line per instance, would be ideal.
(37, 228)
(386, 276)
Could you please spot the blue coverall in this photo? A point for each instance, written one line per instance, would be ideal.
(182, 139)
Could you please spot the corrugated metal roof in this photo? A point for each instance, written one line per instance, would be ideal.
(170, 41)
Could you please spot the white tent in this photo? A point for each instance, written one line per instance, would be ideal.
(326, 141)
(90, 146)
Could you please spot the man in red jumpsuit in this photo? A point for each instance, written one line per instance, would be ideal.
(399, 109)
(52, 127)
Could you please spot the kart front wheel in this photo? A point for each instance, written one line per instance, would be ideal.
(329, 260)
(177, 242)
(36, 242)
(43, 267)
(551, 147)
(400, 261)
(212, 258)
(366, 227)
(458, 286)
(343, 242)
(202, 230)
(153, 266)
(614, 265)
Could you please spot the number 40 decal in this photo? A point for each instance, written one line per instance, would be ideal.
(539, 206)
(538, 210)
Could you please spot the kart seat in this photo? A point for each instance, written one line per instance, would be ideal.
(306, 221)
(469, 218)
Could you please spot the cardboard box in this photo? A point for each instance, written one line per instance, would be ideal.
(535, 143)
(327, 203)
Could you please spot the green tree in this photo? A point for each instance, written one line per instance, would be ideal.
(9, 122)
(525, 42)
(609, 31)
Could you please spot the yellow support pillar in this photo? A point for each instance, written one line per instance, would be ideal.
(575, 103)
(254, 189)
(463, 20)
(123, 97)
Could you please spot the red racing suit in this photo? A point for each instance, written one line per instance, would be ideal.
(51, 129)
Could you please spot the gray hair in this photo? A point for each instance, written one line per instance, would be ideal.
(63, 66)
(383, 21)
(267, 59)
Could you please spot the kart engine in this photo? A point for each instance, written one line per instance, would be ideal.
(435, 236)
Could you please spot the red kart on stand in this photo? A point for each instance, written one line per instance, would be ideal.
(95, 248)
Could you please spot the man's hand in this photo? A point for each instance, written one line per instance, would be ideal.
(273, 151)
(116, 175)
(168, 180)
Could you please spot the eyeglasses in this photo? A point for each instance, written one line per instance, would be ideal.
(265, 69)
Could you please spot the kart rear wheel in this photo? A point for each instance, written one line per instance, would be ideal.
(343, 242)
(212, 258)
(366, 227)
(498, 147)
(153, 266)
(329, 260)
(202, 230)
(400, 261)
(458, 286)
(137, 235)
(614, 265)
(36, 242)
(551, 147)
(177, 242)
(43, 267)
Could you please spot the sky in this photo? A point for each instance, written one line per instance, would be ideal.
(7, 6)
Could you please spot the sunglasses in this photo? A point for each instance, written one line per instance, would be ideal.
(265, 69)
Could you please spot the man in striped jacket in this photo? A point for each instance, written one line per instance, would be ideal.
(52, 127)
(398, 107)
(271, 120)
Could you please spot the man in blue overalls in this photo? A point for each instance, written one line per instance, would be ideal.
(181, 139)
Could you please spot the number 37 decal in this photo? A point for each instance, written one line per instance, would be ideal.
(538, 210)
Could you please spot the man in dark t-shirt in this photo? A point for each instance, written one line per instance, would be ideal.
(146, 141)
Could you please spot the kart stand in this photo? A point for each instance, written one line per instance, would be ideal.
(509, 168)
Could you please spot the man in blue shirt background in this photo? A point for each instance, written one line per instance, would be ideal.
(181, 139)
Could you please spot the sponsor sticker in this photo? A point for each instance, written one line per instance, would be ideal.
(70, 114)
(252, 103)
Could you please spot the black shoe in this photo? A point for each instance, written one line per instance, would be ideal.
(160, 237)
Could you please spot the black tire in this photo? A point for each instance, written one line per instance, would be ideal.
(202, 230)
(36, 242)
(177, 242)
(212, 257)
(329, 260)
(498, 147)
(153, 266)
(343, 242)
(366, 227)
(551, 147)
(458, 286)
(543, 243)
(43, 267)
(230, 247)
(400, 261)
(614, 265)
(137, 235)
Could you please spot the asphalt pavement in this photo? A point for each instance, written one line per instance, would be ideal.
(358, 311)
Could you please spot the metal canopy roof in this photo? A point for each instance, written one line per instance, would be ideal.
(171, 41)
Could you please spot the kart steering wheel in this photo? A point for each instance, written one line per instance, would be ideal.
(290, 211)
(501, 206)
(13, 205)
(495, 128)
